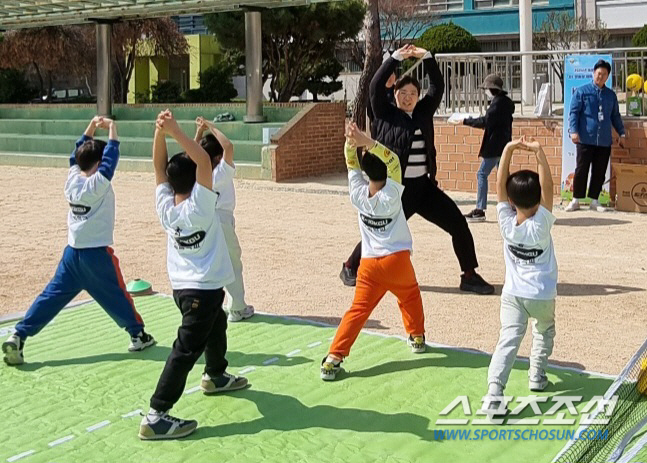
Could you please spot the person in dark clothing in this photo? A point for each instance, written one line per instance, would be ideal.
(497, 124)
(407, 128)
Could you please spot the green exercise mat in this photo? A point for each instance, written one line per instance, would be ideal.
(77, 397)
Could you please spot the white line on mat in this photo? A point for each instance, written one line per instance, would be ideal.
(314, 344)
(133, 413)
(294, 352)
(192, 390)
(94, 427)
(246, 370)
(61, 440)
(272, 360)
(21, 455)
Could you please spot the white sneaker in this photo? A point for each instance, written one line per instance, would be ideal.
(596, 206)
(239, 315)
(537, 380)
(12, 349)
(573, 206)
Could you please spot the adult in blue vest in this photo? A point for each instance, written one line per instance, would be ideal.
(594, 109)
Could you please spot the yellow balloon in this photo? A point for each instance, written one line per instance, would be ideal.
(634, 82)
(645, 87)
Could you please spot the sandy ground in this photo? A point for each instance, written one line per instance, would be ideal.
(295, 236)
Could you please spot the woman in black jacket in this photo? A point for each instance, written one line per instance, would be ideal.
(497, 123)
(407, 128)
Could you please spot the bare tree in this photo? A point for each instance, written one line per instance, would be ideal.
(403, 20)
(561, 31)
(156, 37)
(372, 61)
(48, 52)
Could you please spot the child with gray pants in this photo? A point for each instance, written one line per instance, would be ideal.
(524, 209)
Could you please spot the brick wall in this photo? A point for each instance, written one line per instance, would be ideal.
(458, 147)
(311, 144)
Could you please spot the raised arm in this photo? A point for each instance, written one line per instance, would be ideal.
(436, 81)
(87, 135)
(503, 171)
(388, 157)
(543, 168)
(160, 154)
(380, 101)
(110, 157)
(191, 148)
(227, 145)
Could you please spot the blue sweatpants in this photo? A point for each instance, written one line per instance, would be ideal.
(95, 270)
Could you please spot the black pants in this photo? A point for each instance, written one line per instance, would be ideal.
(203, 329)
(596, 157)
(422, 196)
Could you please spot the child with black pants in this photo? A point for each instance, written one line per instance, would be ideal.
(199, 267)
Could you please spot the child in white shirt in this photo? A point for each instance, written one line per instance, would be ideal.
(525, 202)
(221, 152)
(198, 267)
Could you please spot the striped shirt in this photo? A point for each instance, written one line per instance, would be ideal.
(417, 165)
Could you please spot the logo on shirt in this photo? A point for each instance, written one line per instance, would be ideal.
(189, 242)
(528, 255)
(78, 209)
(375, 224)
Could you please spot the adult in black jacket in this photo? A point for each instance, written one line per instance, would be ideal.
(407, 128)
(497, 123)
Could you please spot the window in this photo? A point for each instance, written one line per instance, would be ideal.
(441, 5)
(480, 4)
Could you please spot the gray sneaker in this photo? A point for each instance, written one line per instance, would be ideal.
(12, 349)
(537, 380)
(165, 427)
(223, 383)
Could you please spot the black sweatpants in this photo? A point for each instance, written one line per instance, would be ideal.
(203, 329)
(422, 196)
(597, 158)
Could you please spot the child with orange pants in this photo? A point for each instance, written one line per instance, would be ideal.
(386, 249)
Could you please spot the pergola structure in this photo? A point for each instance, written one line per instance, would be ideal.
(20, 14)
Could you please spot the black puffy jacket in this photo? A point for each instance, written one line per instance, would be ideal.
(393, 127)
(497, 123)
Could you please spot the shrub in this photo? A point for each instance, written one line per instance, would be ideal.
(14, 87)
(448, 38)
(165, 92)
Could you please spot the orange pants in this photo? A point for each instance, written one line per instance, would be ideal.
(376, 276)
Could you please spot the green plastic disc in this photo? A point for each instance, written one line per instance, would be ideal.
(138, 287)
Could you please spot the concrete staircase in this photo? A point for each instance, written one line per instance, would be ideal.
(45, 135)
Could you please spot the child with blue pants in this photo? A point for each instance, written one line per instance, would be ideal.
(88, 262)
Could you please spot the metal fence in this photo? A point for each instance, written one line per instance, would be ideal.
(464, 73)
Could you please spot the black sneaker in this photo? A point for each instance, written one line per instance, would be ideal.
(347, 276)
(475, 284)
(477, 215)
(165, 426)
(141, 341)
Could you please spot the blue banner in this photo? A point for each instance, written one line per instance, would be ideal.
(578, 70)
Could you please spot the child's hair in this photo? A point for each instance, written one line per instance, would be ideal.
(212, 146)
(181, 171)
(524, 189)
(406, 80)
(89, 153)
(374, 168)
